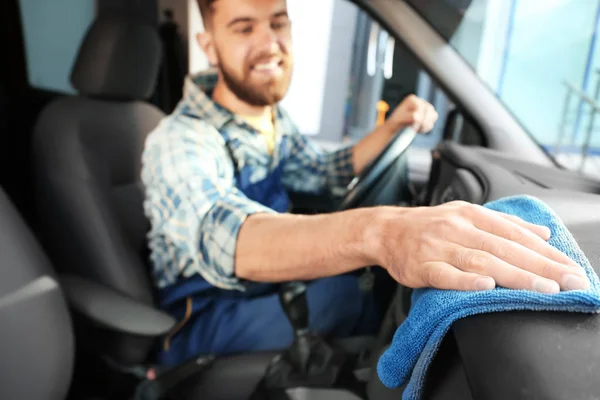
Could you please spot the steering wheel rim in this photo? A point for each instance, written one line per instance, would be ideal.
(364, 182)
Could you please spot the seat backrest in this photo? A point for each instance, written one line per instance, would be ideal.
(36, 337)
(87, 154)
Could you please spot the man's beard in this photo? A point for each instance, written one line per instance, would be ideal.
(260, 95)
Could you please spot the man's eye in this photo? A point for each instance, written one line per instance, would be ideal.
(280, 25)
(246, 30)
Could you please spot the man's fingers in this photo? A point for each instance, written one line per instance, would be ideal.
(535, 258)
(427, 125)
(526, 234)
(417, 113)
(432, 115)
(540, 230)
(428, 117)
(505, 274)
(489, 220)
(419, 116)
(441, 275)
(436, 116)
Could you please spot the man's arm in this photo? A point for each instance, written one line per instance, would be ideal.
(309, 169)
(294, 247)
(412, 111)
(452, 246)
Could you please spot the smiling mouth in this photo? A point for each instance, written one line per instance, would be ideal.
(268, 66)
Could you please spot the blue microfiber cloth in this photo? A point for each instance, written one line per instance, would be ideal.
(433, 311)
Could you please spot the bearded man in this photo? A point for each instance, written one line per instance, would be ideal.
(217, 173)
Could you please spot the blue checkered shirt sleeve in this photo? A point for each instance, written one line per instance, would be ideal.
(310, 169)
(193, 205)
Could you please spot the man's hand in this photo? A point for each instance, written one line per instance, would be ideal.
(467, 247)
(413, 111)
(416, 112)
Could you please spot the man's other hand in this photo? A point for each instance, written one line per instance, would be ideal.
(468, 247)
(416, 112)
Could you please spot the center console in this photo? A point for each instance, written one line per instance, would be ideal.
(310, 361)
(313, 368)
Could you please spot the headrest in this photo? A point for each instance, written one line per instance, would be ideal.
(118, 58)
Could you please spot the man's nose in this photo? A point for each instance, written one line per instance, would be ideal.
(268, 41)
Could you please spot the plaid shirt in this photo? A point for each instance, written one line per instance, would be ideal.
(194, 207)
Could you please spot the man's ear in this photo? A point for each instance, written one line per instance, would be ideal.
(205, 40)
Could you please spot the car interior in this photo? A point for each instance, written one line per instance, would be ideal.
(78, 309)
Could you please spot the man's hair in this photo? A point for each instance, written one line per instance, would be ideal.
(206, 10)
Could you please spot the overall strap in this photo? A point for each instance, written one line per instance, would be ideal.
(236, 170)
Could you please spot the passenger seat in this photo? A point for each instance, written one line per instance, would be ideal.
(36, 339)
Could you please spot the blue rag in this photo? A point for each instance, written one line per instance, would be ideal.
(433, 311)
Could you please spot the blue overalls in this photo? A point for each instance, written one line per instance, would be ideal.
(218, 321)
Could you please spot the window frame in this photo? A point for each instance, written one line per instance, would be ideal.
(457, 79)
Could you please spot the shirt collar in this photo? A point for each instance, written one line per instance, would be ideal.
(197, 92)
(197, 100)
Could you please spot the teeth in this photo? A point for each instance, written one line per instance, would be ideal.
(261, 67)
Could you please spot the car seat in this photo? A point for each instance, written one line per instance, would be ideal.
(36, 339)
(89, 199)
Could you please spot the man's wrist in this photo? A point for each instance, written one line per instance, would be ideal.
(379, 224)
(392, 126)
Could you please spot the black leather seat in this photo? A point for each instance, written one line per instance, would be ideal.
(36, 339)
(87, 155)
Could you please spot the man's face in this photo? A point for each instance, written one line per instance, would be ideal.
(250, 42)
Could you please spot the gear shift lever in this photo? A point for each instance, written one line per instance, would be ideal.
(293, 301)
(310, 360)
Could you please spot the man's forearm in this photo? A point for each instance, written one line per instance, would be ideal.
(457, 245)
(276, 248)
(371, 145)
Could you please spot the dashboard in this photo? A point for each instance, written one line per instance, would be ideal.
(479, 175)
(523, 355)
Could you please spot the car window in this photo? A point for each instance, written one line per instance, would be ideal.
(52, 33)
(340, 81)
(541, 59)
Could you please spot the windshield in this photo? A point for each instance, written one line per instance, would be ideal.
(542, 60)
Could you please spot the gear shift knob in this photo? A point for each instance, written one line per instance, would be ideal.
(293, 301)
(309, 360)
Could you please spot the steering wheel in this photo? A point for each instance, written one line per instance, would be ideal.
(364, 182)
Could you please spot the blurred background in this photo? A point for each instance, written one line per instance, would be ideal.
(540, 57)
